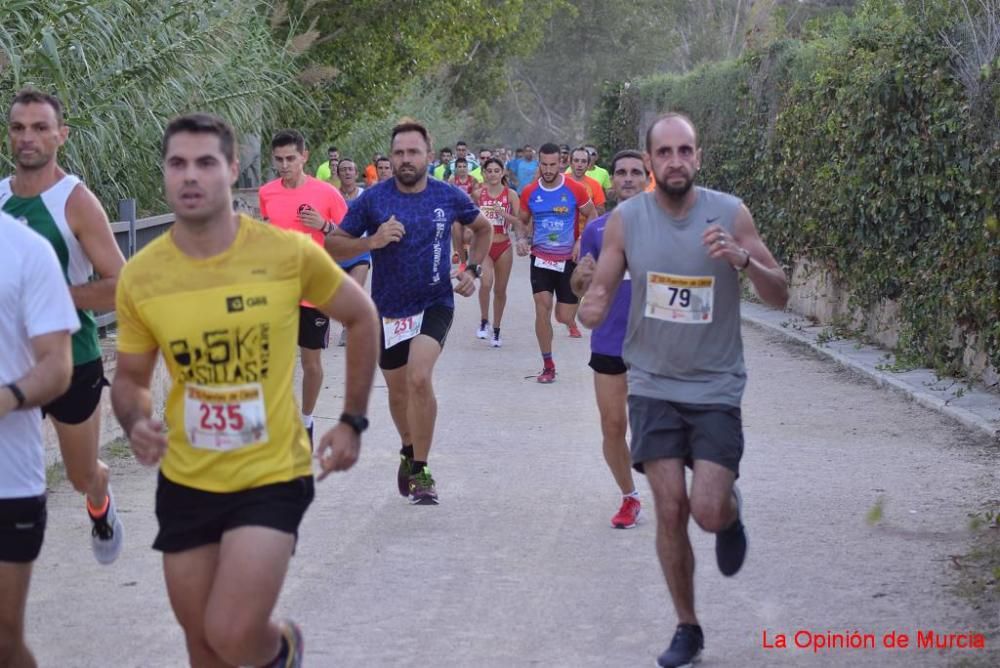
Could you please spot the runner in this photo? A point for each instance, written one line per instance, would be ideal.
(564, 158)
(327, 171)
(219, 297)
(62, 209)
(500, 206)
(371, 173)
(443, 171)
(461, 235)
(685, 354)
(462, 180)
(408, 220)
(462, 151)
(548, 226)
(595, 171)
(356, 267)
(36, 365)
(383, 168)
(579, 164)
(298, 202)
(527, 169)
(628, 177)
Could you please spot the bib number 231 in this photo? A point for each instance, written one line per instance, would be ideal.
(397, 330)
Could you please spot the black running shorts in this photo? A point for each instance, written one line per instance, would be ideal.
(609, 365)
(22, 528)
(83, 396)
(670, 430)
(314, 329)
(547, 280)
(190, 517)
(436, 323)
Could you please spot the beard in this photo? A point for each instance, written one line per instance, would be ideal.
(674, 192)
(408, 178)
(33, 162)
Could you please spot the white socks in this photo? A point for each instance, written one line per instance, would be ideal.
(307, 420)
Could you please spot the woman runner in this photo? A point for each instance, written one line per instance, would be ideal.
(500, 206)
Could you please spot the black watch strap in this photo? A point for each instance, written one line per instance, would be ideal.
(18, 394)
(476, 269)
(358, 422)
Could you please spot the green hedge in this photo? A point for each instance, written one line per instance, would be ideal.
(859, 148)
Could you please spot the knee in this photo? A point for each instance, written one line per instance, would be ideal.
(672, 514)
(312, 366)
(712, 515)
(229, 638)
(420, 383)
(614, 426)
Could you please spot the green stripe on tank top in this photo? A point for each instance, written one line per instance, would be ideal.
(86, 346)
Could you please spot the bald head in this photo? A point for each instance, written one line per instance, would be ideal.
(676, 122)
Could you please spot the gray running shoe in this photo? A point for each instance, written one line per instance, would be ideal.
(107, 533)
(731, 543)
(685, 648)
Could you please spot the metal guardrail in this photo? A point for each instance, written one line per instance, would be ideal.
(132, 234)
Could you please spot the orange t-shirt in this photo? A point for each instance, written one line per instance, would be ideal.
(371, 174)
(596, 196)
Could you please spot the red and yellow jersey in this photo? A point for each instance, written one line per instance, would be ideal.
(227, 328)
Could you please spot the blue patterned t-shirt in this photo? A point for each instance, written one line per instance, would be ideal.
(413, 274)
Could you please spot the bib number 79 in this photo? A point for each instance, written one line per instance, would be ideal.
(680, 296)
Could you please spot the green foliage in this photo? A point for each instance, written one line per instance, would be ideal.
(123, 67)
(856, 148)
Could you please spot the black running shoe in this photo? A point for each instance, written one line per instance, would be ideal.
(731, 543)
(685, 648)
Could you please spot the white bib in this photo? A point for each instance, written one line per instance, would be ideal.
(550, 265)
(224, 417)
(397, 330)
(683, 299)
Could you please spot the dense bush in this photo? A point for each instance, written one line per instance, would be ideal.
(861, 148)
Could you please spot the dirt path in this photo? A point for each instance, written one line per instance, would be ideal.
(519, 567)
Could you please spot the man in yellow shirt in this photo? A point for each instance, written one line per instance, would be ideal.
(327, 171)
(219, 297)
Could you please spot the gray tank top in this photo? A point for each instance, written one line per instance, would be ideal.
(683, 342)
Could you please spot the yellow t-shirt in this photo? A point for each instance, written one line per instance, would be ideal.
(227, 327)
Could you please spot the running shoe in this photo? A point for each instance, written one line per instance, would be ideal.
(627, 515)
(548, 375)
(685, 648)
(731, 543)
(292, 658)
(484, 331)
(574, 332)
(422, 490)
(106, 533)
(403, 475)
(496, 341)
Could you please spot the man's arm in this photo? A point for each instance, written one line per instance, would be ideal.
(767, 276)
(48, 379)
(90, 225)
(352, 307)
(132, 402)
(342, 246)
(607, 277)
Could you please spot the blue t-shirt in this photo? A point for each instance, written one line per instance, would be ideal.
(610, 336)
(413, 274)
(525, 173)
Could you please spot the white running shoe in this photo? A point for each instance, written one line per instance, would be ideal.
(107, 534)
(496, 342)
(484, 331)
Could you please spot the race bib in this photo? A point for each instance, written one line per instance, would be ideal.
(550, 265)
(224, 417)
(683, 299)
(397, 330)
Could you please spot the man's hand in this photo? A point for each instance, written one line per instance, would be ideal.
(583, 274)
(523, 247)
(466, 283)
(310, 217)
(148, 441)
(338, 449)
(576, 250)
(391, 231)
(722, 246)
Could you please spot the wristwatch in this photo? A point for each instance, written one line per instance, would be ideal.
(358, 422)
(476, 269)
